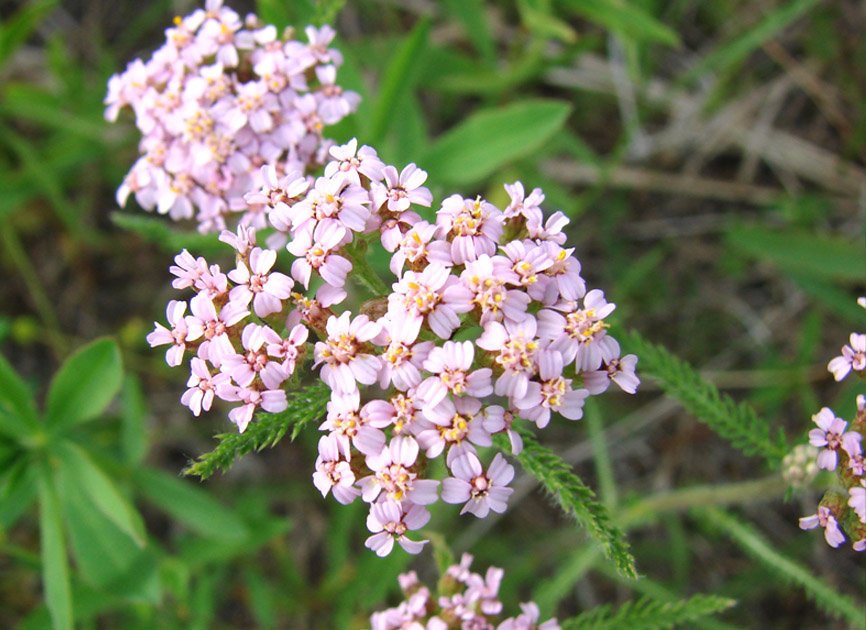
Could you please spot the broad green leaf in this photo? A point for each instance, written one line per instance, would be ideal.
(15, 30)
(800, 251)
(18, 415)
(103, 553)
(490, 139)
(399, 78)
(133, 432)
(85, 384)
(17, 492)
(80, 469)
(190, 505)
(624, 17)
(55, 564)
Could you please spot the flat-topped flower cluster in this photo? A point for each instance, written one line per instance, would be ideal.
(218, 100)
(843, 509)
(486, 319)
(464, 600)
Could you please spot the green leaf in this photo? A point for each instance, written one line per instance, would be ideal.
(18, 417)
(625, 18)
(836, 300)
(648, 614)
(55, 564)
(756, 546)
(17, 492)
(744, 44)
(739, 424)
(304, 406)
(471, 14)
(85, 384)
(158, 231)
(487, 140)
(16, 30)
(574, 497)
(799, 251)
(191, 506)
(399, 78)
(543, 23)
(80, 469)
(133, 432)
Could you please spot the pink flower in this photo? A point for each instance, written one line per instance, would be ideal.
(400, 191)
(581, 334)
(521, 205)
(553, 393)
(829, 435)
(417, 248)
(399, 412)
(287, 349)
(271, 401)
(402, 358)
(450, 423)
(258, 284)
(315, 251)
(349, 428)
(528, 620)
(853, 357)
(345, 362)
(516, 346)
(451, 363)
(177, 336)
(481, 492)
(351, 166)
(333, 473)
(482, 287)
(205, 322)
(244, 368)
(825, 519)
(565, 281)
(334, 200)
(420, 295)
(476, 227)
(395, 476)
(390, 521)
(202, 387)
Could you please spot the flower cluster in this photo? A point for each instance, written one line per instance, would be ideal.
(843, 510)
(219, 99)
(487, 319)
(464, 600)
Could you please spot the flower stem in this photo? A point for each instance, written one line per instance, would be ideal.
(363, 272)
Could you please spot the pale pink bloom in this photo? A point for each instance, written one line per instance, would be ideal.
(320, 39)
(515, 346)
(483, 287)
(853, 357)
(351, 166)
(334, 199)
(205, 322)
(341, 353)
(271, 401)
(551, 230)
(857, 500)
(453, 424)
(190, 271)
(315, 252)
(399, 412)
(334, 473)
(420, 296)
(565, 281)
(244, 368)
(389, 521)
(349, 428)
(395, 476)
(475, 225)
(451, 364)
(497, 420)
(418, 248)
(521, 205)
(829, 435)
(480, 491)
(528, 261)
(581, 334)
(485, 591)
(621, 370)
(259, 285)
(851, 445)
(242, 241)
(528, 620)
(825, 519)
(177, 336)
(287, 349)
(401, 191)
(553, 393)
(403, 357)
(335, 103)
(202, 385)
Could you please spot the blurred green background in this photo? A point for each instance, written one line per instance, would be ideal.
(711, 157)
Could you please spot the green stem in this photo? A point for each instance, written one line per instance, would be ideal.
(363, 272)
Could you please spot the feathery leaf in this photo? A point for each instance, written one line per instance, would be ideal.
(573, 496)
(648, 614)
(305, 406)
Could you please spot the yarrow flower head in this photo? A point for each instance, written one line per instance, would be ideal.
(464, 600)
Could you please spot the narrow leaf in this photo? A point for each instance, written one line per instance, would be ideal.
(16, 30)
(626, 18)
(574, 497)
(739, 424)
(55, 564)
(17, 413)
(490, 139)
(80, 469)
(471, 14)
(648, 614)
(85, 384)
(304, 406)
(156, 230)
(192, 506)
(17, 492)
(756, 546)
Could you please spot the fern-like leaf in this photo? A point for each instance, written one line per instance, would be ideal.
(648, 614)
(305, 406)
(574, 497)
(739, 424)
(751, 541)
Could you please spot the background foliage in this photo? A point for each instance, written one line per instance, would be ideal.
(711, 157)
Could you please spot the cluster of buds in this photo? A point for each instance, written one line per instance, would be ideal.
(218, 100)
(486, 319)
(843, 509)
(464, 600)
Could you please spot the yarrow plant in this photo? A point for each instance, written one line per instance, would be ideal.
(219, 99)
(464, 600)
(485, 318)
(843, 509)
